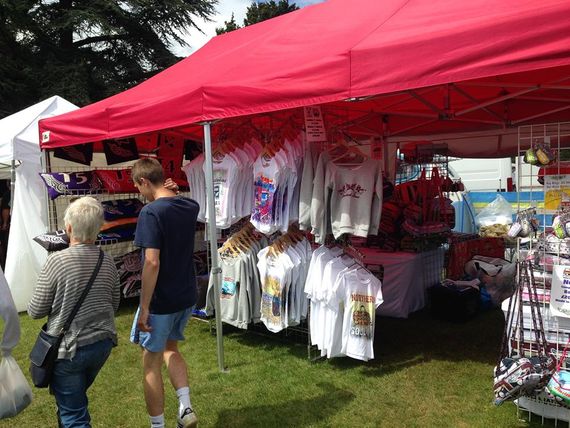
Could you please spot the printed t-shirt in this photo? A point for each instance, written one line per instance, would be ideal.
(267, 176)
(352, 197)
(275, 275)
(361, 293)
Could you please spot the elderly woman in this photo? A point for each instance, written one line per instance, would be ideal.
(88, 342)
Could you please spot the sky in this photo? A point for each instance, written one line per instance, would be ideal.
(224, 9)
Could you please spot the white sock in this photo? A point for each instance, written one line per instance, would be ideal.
(183, 395)
(157, 421)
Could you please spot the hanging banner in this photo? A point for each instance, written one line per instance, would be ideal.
(315, 125)
(80, 153)
(120, 150)
(171, 154)
(560, 293)
(556, 191)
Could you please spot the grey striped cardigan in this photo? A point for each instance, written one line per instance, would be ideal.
(61, 282)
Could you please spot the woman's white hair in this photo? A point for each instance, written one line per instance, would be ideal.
(85, 216)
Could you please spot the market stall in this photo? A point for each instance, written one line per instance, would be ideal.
(475, 78)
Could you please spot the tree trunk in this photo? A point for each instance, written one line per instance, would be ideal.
(66, 34)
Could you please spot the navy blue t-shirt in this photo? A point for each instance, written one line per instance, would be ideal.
(169, 224)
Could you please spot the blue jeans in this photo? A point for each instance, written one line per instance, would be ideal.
(72, 378)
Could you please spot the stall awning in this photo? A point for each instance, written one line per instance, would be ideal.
(353, 49)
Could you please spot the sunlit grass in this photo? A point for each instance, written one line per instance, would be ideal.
(426, 374)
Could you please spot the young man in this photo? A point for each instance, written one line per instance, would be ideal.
(165, 232)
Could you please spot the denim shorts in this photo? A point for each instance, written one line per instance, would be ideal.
(164, 327)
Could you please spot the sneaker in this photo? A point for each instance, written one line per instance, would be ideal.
(188, 419)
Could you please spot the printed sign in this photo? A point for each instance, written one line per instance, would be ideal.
(556, 191)
(45, 137)
(314, 125)
(560, 293)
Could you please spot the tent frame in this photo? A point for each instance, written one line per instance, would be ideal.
(216, 271)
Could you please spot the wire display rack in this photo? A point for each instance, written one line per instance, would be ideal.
(545, 199)
(56, 211)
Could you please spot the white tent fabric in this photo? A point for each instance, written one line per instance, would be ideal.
(19, 141)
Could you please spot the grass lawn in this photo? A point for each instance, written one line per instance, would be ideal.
(426, 374)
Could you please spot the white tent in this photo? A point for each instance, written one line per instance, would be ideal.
(19, 142)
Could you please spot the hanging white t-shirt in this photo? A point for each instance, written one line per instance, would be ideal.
(243, 179)
(275, 276)
(281, 191)
(306, 191)
(197, 183)
(225, 171)
(314, 284)
(319, 215)
(332, 315)
(304, 248)
(361, 293)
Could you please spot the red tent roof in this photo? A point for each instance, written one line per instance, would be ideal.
(345, 49)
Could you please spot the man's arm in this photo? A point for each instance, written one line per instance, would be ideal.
(149, 277)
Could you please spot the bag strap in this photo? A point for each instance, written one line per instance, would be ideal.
(84, 294)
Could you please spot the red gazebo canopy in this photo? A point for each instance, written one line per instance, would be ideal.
(397, 67)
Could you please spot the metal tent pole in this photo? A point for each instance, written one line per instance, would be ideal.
(215, 270)
(46, 166)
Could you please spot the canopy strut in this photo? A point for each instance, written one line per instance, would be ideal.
(215, 271)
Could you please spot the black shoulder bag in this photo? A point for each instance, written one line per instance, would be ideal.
(44, 353)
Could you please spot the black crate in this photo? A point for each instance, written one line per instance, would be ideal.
(453, 304)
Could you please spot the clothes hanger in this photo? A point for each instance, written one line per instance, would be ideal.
(338, 149)
(218, 153)
(267, 151)
(295, 233)
(353, 156)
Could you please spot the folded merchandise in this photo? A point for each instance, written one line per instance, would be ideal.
(71, 183)
(121, 208)
(433, 228)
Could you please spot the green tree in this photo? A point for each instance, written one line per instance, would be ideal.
(16, 83)
(230, 25)
(86, 50)
(258, 12)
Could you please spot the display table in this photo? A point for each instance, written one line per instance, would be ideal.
(406, 278)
